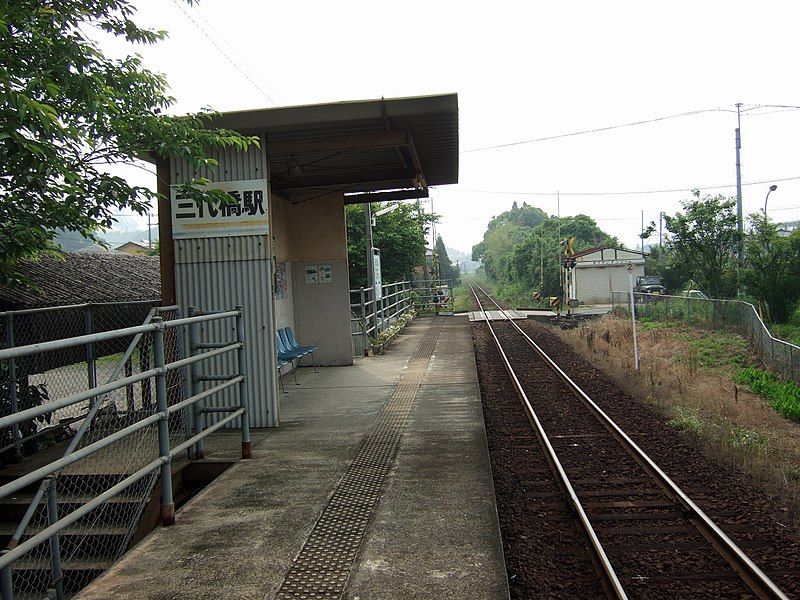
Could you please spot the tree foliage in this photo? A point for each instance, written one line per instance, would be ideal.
(772, 272)
(447, 270)
(503, 232)
(541, 247)
(704, 239)
(400, 236)
(68, 112)
(520, 249)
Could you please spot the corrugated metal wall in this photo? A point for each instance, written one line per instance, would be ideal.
(222, 272)
(233, 166)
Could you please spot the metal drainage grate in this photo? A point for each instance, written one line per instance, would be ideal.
(323, 565)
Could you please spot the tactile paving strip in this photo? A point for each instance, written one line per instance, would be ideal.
(323, 565)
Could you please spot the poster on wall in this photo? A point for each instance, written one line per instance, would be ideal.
(325, 274)
(312, 276)
(247, 213)
(318, 274)
(280, 280)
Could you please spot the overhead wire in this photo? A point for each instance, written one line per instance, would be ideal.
(596, 129)
(222, 51)
(787, 107)
(625, 193)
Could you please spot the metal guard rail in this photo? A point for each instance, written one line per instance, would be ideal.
(374, 316)
(160, 417)
(782, 356)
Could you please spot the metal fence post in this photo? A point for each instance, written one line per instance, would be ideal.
(91, 368)
(374, 311)
(6, 580)
(194, 383)
(364, 324)
(186, 377)
(167, 503)
(772, 345)
(55, 543)
(383, 307)
(12, 381)
(247, 451)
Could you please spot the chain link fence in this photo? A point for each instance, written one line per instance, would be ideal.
(706, 313)
(94, 541)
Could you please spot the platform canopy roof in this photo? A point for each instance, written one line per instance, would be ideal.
(372, 150)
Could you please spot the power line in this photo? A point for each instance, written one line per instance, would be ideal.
(772, 112)
(596, 130)
(626, 193)
(221, 50)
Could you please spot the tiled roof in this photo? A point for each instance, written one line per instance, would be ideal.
(76, 278)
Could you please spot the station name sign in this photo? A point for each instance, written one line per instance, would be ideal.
(246, 214)
(610, 262)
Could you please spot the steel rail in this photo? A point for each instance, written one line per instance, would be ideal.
(750, 573)
(612, 581)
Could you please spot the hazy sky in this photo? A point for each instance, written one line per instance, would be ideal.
(523, 70)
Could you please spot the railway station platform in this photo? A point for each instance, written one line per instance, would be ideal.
(377, 484)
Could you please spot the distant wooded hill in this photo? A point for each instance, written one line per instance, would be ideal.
(520, 249)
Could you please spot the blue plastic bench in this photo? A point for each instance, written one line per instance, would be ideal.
(287, 357)
(281, 364)
(290, 343)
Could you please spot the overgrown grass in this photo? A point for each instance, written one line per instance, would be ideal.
(462, 298)
(686, 419)
(725, 432)
(787, 331)
(701, 381)
(719, 349)
(783, 396)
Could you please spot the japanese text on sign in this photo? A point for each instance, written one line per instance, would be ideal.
(246, 214)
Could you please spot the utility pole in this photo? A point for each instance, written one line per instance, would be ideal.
(641, 233)
(541, 264)
(661, 239)
(369, 244)
(740, 223)
(560, 265)
(149, 232)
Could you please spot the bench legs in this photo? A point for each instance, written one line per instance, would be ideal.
(281, 387)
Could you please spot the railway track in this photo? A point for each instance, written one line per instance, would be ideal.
(645, 536)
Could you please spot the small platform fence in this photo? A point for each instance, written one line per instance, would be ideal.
(708, 313)
(370, 319)
(110, 433)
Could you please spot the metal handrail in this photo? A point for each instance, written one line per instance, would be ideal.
(160, 417)
(743, 303)
(780, 355)
(82, 340)
(30, 311)
(86, 418)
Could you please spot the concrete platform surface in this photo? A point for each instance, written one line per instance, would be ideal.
(432, 532)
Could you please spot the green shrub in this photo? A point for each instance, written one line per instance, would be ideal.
(783, 396)
(787, 331)
(720, 349)
(686, 419)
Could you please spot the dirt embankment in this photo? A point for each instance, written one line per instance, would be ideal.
(688, 374)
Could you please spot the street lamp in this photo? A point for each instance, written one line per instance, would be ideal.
(772, 188)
